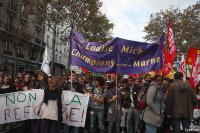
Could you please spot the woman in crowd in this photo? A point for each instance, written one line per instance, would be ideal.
(43, 80)
(17, 84)
(154, 112)
(42, 77)
(7, 86)
(52, 105)
(27, 83)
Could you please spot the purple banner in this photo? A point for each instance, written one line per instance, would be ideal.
(116, 56)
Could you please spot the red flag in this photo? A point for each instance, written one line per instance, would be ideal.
(192, 54)
(182, 67)
(171, 43)
(167, 66)
(169, 56)
(195, 75)
(84, 70)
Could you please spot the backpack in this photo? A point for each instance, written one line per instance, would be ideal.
(142, 97)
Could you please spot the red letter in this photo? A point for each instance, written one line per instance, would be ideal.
(7, 113)
(73, 114)
(16, 114)
(26, 112)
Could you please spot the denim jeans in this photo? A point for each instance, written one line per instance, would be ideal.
(74, 129)
(97, 114)
(51, 126)
(114, 126)
(129, 121)
(150, 128)
(137, 118)
(176, 124)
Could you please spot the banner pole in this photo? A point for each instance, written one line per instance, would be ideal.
(116, 84)
(71, 78)
(69, 59)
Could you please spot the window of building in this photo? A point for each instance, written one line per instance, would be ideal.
(10, 23)
(13, 5)
(39, 21)
(60, 59)
(7, 46)
(52, 42)
(37, 35)
(23, 11)
(56, 57)
(64, 51)
(33, 54)
(48, 26)
(47, 40)
(19, 50)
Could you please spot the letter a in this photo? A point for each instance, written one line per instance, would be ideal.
(76, 100)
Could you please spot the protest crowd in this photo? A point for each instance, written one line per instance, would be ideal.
(148, 103)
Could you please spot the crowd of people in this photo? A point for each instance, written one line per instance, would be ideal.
(150, 103)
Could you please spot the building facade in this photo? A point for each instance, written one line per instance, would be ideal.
(21, 37)
(61, 50)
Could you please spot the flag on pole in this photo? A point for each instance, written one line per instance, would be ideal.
(45, 63)
(182, 67)
(171, 43)
(84, 70)
(171, 74)
(192, 55)
(167, 66)
(195, 74)
(170, 55)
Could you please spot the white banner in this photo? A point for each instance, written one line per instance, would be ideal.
(76, 107)
(19, 106)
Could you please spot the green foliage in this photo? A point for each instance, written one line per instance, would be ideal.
(83, 15)
(185, 25)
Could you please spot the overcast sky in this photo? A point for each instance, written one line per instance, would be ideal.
(130, 16)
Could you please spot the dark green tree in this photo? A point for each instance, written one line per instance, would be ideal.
(185, 25)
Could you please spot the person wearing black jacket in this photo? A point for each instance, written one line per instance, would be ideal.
(36, 125)
(52, 106)
(76, 86)
(126, 107)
